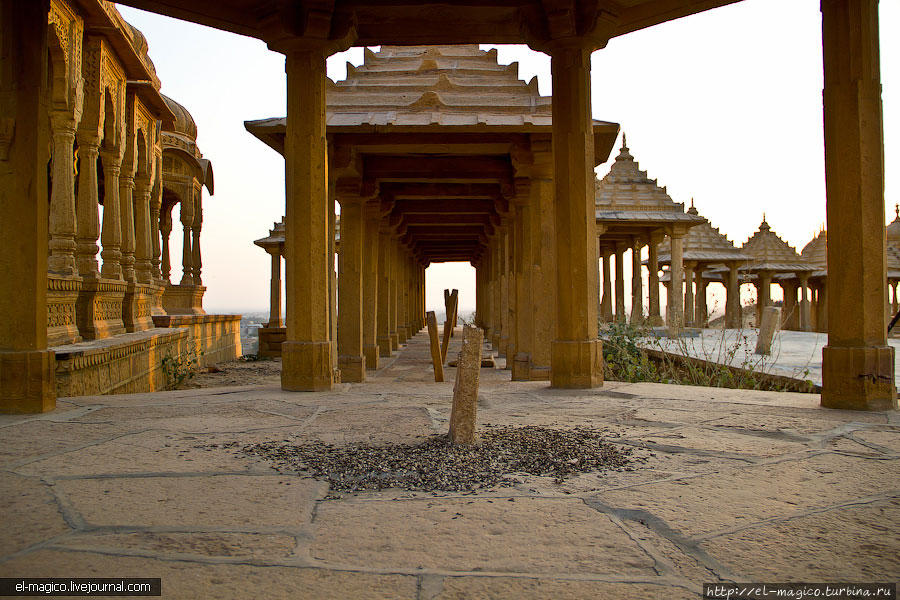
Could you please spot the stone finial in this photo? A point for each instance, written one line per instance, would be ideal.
(897, 210)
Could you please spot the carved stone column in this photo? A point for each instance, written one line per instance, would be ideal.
(655, 316)
(805, 321)
(675, 295)
(142, 243)
(637, 288)
(61, 260)
(351, 361)
(577, 358)
(370, 284)
(307, 363)
(606, 300)
(28, 382)
(196, 227)
(87, 211)
(620, 282)
(126, 213)
(857, 363)
(521, 363)
(763, 293)
(734, 318)
(384, 292)
(689, 294)
(165, 230)
(701, 315)
(187, 255)
(275, 289)
(111, 233)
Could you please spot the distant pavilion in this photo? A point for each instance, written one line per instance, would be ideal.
(708, 256)
(633, 211)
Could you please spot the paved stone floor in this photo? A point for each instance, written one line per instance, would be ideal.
(738, 486)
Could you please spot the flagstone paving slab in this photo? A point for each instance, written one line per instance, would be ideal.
(725, 485)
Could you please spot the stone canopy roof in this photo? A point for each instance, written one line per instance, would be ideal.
(892, 231)
(704, 244)
(627, 194)
(275, 239)
(815, 254)
(771, 253)
(457, 88)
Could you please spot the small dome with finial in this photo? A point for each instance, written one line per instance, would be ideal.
(693, 209)
(892, 232)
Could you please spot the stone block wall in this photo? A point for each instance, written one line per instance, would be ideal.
(270, 339)
(214, 338)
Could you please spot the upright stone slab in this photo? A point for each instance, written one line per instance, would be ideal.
(465, 392)
(771, 317)
(436, 356)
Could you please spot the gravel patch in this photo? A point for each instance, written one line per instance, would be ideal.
(501, 454)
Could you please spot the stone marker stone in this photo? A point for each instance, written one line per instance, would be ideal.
(436, 356)
(465, 392)
(454, 301)
(771, 317)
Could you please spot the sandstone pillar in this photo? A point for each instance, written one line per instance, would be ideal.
(111, 234)
(637, 287)
(805, 321)
(62, 197)
(653, 269)
(689, 294)
(544, 276)
(402, 309)
(126, 214)
(370, 285)
(165, 229)
(577, 359)
(606, 314)
(351, 361)
(155, 206)
(142, 265)
(465, 392)
(275, 290)
(789, 310)
(384, 293)
(330, 259)
(857, 363)
(822, 308)
(733, 314)
(675, 294)
(763, 293)
(521, 365)
(87, 211)
(620, 283)
(27, 368)
(392, 293)
(187, 256)
(700, 307)
(504, 290)
(512, 277)
(307, 364)
(196, 227)
(497, 294)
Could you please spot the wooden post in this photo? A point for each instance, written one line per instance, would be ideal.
(436, 356)
(465, 392)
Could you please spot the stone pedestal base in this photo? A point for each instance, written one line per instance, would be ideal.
(352, 369)
(504, 350)
(270, 340)
(402, 335)
(100, 308)
(371, 354)
(62, 297)
(27, 382)
(183, 299)
(576, 365)
(384, 346)
(495, 341)
(156, 302)
(655, 321)
(858, 378)
(136, 307)
(395, 341)
(539, 373)
(306, 366)
(521, 367)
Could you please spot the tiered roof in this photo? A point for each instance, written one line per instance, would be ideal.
(892, 231)
(704, 244)
(815, 254)
(627, 194)
(275, 239)
(410, 87)
(771, 253)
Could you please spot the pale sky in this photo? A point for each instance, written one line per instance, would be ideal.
(724, 107)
